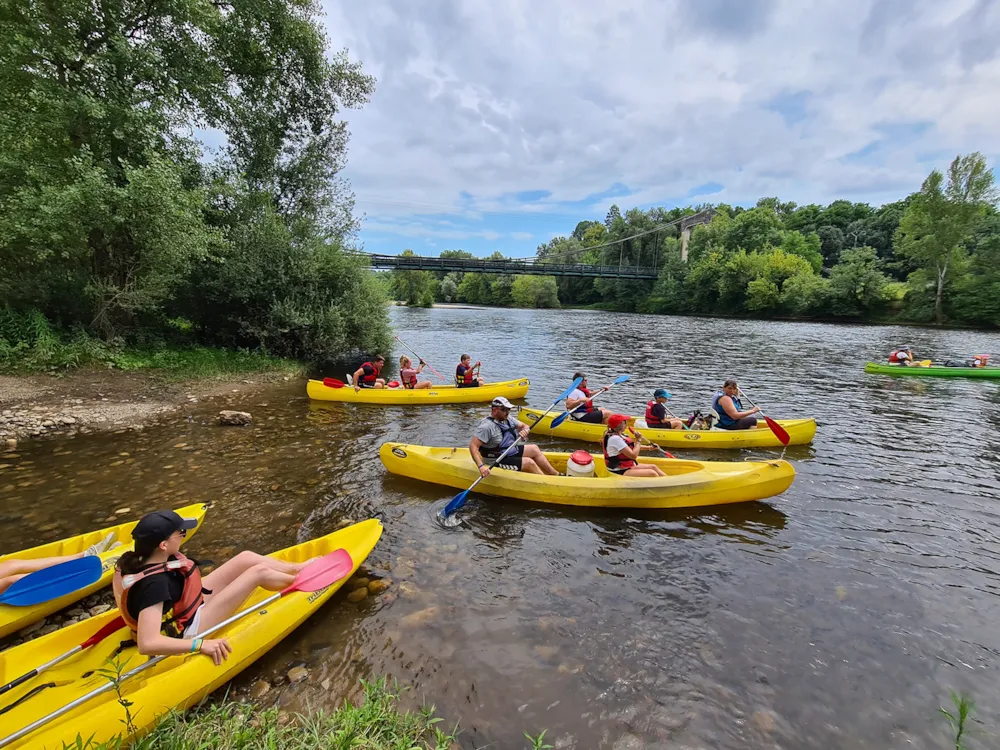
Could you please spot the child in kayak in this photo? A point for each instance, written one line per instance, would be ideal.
(620, 453)
(466, 373)
(165, 601)
(12, 571)
(408, 375)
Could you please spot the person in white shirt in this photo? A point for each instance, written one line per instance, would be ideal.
(580, 408)
(621, 455)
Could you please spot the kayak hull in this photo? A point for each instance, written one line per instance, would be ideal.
(688, 484)
(800, 432)
(175, 683)
(987, 373)
(13, 619)
(445, 394)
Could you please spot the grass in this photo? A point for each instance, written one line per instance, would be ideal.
(29, 344)
(375, 724)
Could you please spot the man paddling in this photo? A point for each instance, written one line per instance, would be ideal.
(580, 405)
(466, 375)
(499, 431)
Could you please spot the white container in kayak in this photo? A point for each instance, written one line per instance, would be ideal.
(580, 464)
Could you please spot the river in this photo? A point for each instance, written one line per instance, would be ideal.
(837, 615)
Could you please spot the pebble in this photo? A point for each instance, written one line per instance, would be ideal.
(325, 684)
(100, 609)
(120, 511)
(297, 674)
(764, 721)
(236, 418)
(357, 595)
(50, 628)
(11, 444)
(344, 523)
(37, 625)
(378, 586)
(420, 618)
(259, 689)
(360, 583)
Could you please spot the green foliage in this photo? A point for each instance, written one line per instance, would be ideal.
(535, 291)
(412, 287)
(857, 284)
(804, 294)
(474, 289)
(959, 717)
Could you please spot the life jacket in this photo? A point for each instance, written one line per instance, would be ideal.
(463, 378)
(587, 407)
(895, 359)
(651, 419)
(181, 611)
(617, 462)
(725, 419)
(367, 379)
(412, 383)
(508, 437)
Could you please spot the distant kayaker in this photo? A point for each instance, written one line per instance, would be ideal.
(621, 454)
(408, 375)
(165, 601)
(902, 356)
(980, 360)
(367, 376)
(496, 433)
(465, 373)
(13, 570)
(580, 408)
(656, 412)
(731, 414)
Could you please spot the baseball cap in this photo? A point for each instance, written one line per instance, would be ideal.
(160, 524)
(616, 420)
(661, 393)
(501, 401)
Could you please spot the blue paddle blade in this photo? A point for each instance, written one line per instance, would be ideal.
(456, 502)
(565, 394)
(621, 379)
(560, 419)
(53, 583)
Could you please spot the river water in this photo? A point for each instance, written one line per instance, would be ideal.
(837, 615)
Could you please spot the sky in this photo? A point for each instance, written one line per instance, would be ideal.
(499, 124)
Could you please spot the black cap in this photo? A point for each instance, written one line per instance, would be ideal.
(160, 524)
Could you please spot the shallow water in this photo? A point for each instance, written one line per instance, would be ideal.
(836, 615)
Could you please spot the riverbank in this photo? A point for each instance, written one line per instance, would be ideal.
(96, 400)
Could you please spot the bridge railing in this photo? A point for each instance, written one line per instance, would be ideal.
(528, 267)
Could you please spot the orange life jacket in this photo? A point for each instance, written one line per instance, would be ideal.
(464, 377)
(651, 419)
(182, 612)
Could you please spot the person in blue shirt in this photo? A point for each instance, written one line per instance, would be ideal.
(727, 405)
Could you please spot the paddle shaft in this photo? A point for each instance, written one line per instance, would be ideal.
(133, 672)
(110, 627)
(646, 441)
(405, 346)
(559, 419)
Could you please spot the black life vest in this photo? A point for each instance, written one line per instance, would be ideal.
(617, 462)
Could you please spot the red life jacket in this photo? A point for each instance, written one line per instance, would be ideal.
(617, 462)
(411, 383)
(589, 405)
(367, 379)
(182, 611)
(894, 358)
(464, 377)
(651, 419)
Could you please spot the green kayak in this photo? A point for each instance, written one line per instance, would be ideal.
(934, 372)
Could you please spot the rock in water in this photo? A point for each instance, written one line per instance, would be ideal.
(260, 689)
(237, 418)
(379, 585)
(297, 674)
(357, 595)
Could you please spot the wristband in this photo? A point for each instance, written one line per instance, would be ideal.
(196, 644)
(481, 465)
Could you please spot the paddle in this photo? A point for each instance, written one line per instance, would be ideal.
(924, 363)
(420, 358)
(646, 441)
(565, 415)
(777, 429)
(319, 574)
(459, 500)
(333, 383)
(53, 582)
(112, 626)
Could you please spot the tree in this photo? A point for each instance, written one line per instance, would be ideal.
(857, 284)
(941, 217)
(831, 242)
(535, 291)
(449, 287)
(583, 227)
(413, 287)
(805, 246)
(753, 230)
(614, 214)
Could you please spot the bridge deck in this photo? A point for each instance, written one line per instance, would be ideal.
(521, 267)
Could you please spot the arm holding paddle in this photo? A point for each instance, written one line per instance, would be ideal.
(779, 432)
(152, 642)
(475, 445)
(726, 402)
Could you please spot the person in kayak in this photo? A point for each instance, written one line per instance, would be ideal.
(496, 433)
(903, 356)
(465, 373)
(12, 571)
(367, 376)
(656, 412)
(408, 375)
(580, 408)
(731, 414)
(980, 360)
(163, 598)
(621, 455)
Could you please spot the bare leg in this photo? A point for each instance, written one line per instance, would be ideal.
(529, 467)
(645, 470)
(424, 384)
(225, 601)
(535, 454)
(12, 571)
(230, 570)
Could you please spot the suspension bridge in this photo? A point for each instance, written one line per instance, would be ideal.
(542, 266)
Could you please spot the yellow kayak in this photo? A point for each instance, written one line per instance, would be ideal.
(687, 484)
(175, 683)
(800, 432)
(15, 618)
(443, 394)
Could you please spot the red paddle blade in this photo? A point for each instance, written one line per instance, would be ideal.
(322, 572)
(333, 383)
(111, 626)
(778, 430)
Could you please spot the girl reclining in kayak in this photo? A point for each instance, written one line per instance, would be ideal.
(621, 455)
(164, 600)
(12, 571)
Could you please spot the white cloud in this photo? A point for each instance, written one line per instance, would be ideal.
(573, 96)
